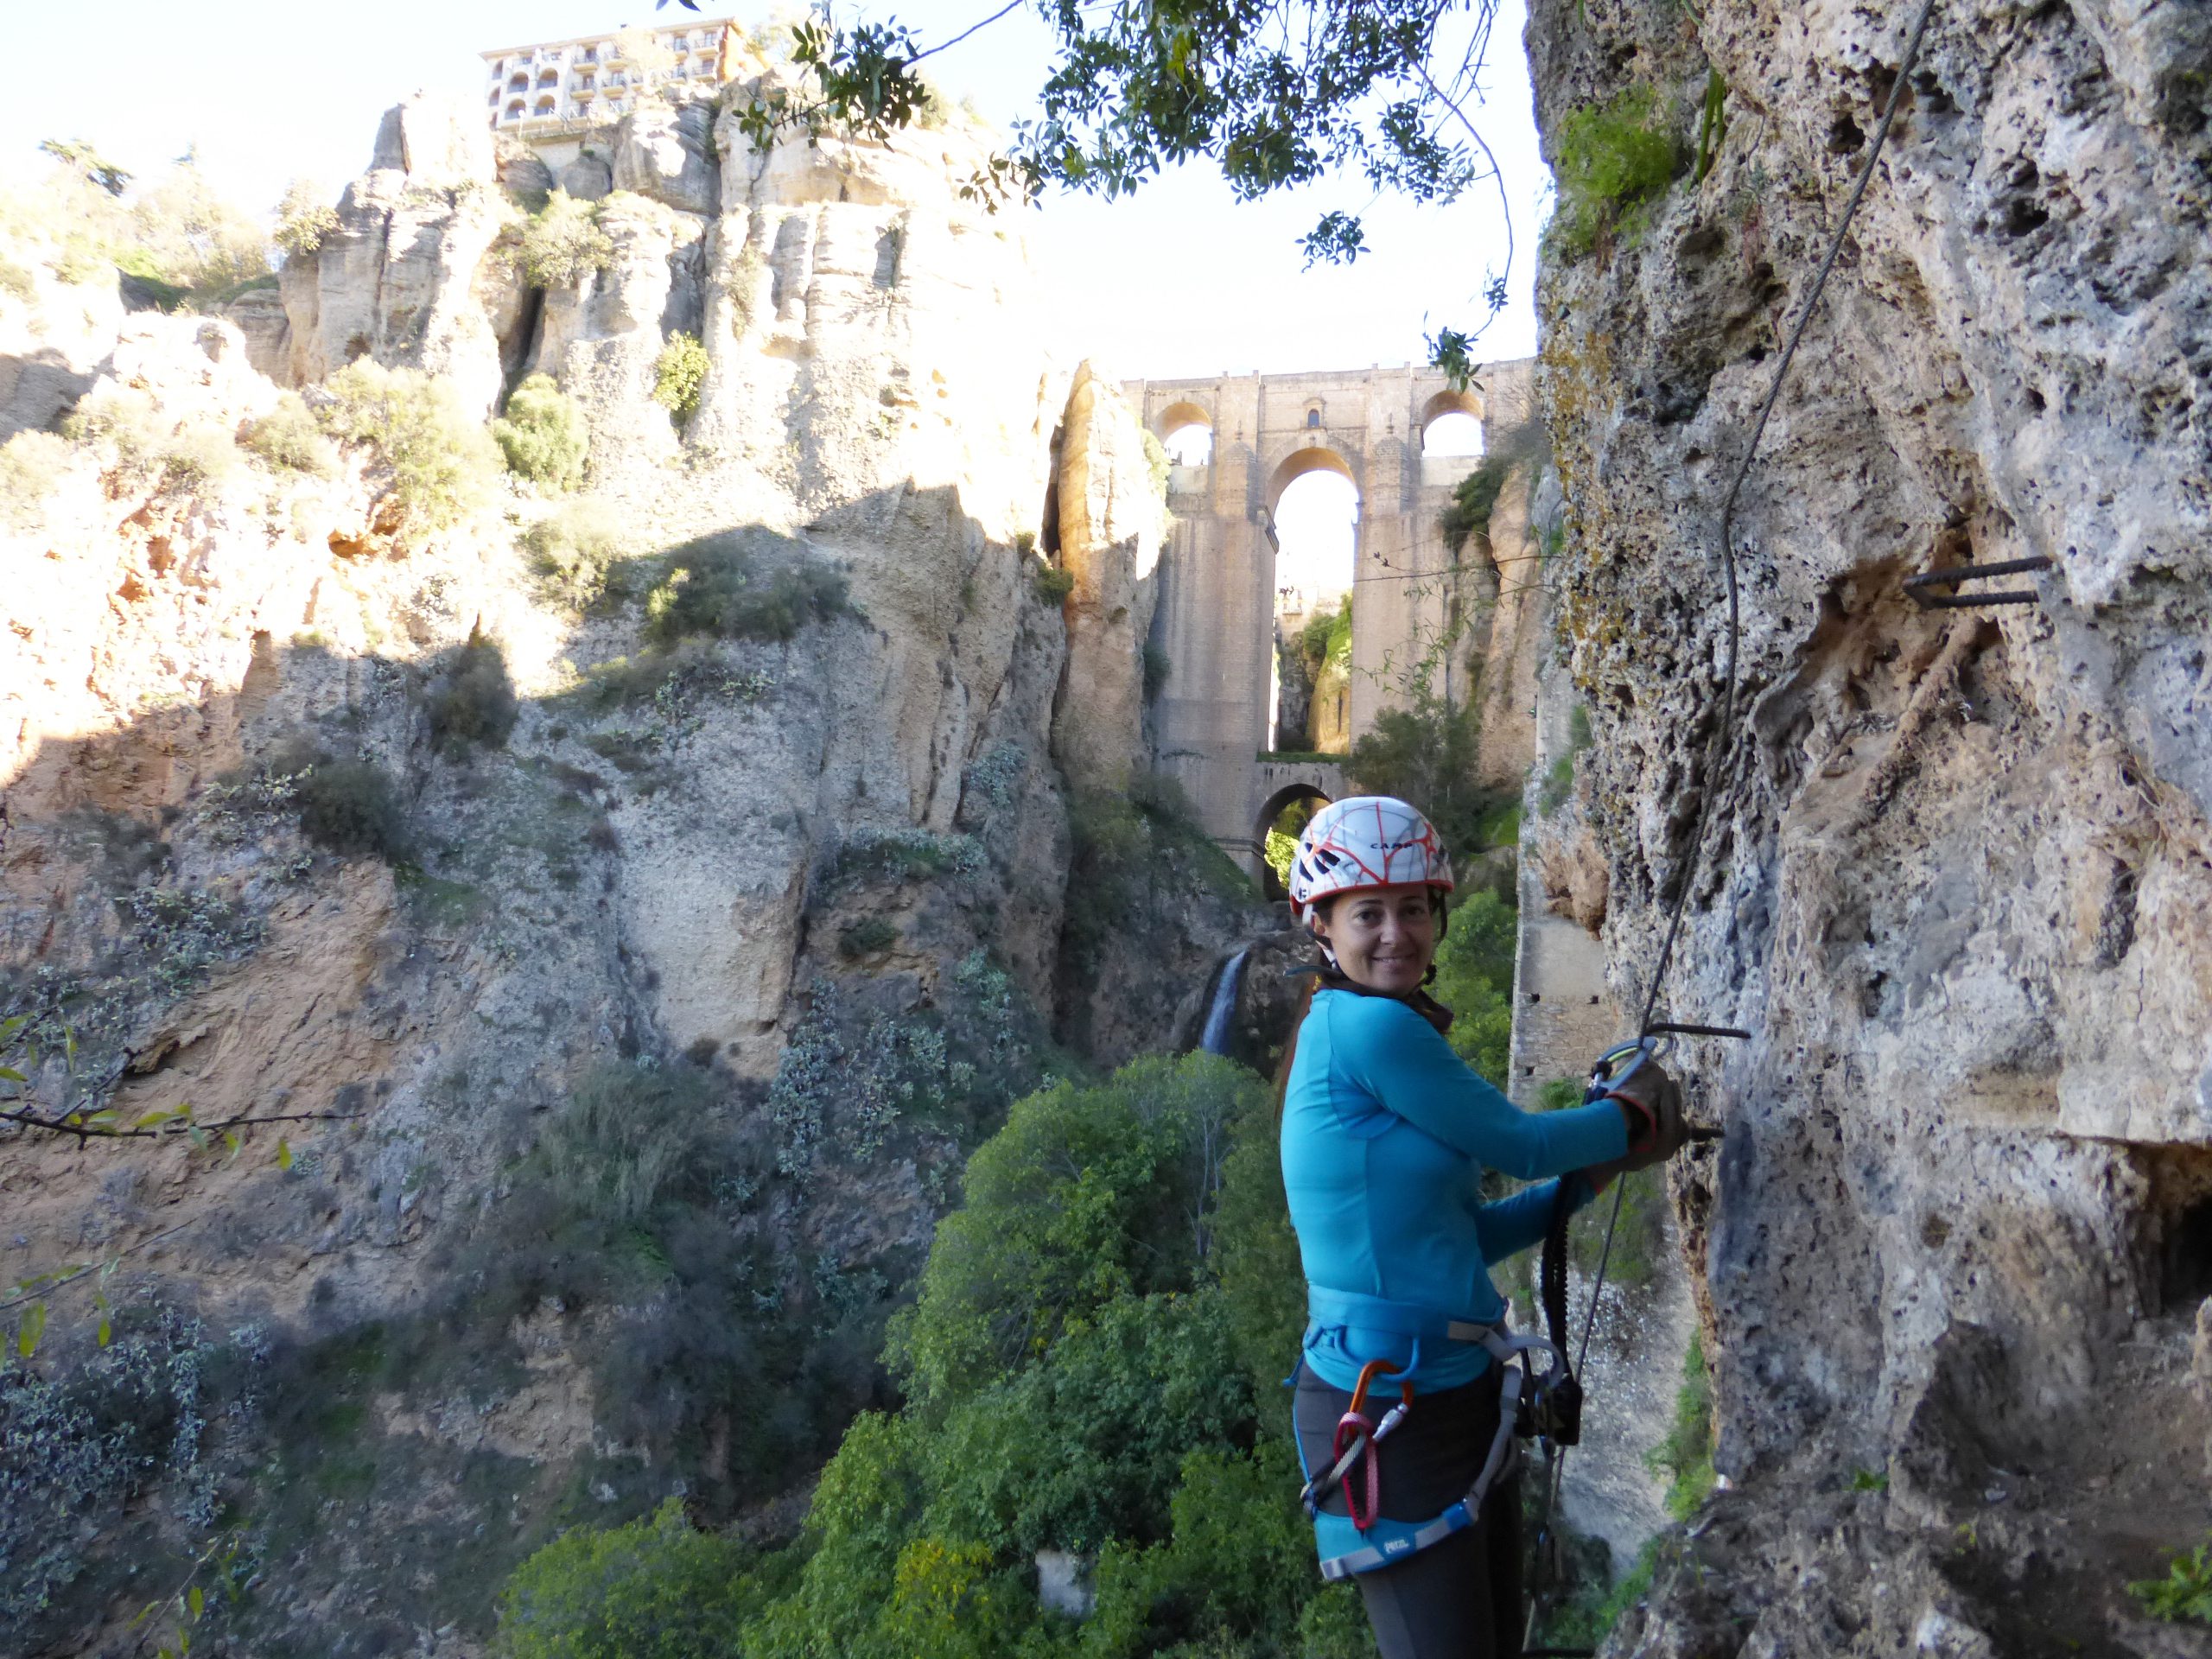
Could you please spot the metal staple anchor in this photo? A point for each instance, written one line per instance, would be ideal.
(1917, 585)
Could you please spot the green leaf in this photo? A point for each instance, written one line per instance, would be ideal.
(198, 1135)
(195, 1600)
(284, 1152)
(153, 1117)
(9, 1074)
(32, 1328)
(231, 1141)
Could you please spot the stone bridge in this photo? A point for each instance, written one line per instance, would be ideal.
(1213, 726)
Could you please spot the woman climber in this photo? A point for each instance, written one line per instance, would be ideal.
(1385, 1137)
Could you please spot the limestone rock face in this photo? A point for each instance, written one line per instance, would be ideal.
(261, 318)
(588, 178)
(520, 170)
(397, 279)
(663, 150)
(439, 144)
(1960, 895)
(1111, 520)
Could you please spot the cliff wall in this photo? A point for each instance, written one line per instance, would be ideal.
(1951, 1253)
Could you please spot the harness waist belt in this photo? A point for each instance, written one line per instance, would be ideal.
(1324, 1306)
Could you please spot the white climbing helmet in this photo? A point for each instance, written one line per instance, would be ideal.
(1367, 841)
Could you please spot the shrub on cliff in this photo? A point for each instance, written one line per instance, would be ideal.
(444, 464)
(741, 585)
(473, 700)
(1613, 156)
(679, 373)
(654, 1589)
(289, 436)
(572, 548)
(349, 806)
(561, 243)
(543, 434)
(303, 218)
(140, 440)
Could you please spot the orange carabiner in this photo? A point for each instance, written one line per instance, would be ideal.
(1368, 1373)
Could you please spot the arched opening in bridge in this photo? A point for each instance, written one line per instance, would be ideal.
(1315, 510)
(1187, 432)
(1288, 811)
(1451, 425)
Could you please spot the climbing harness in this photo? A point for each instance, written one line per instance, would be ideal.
(1617, 1064)
(1362, 1539)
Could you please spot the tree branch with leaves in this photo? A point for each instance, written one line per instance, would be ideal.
(1277, 93)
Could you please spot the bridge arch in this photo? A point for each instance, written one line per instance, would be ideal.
(1452, 425)
(1187, 430)
(1313, 458)
(1286, 811)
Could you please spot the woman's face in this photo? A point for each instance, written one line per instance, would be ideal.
(1384, 938)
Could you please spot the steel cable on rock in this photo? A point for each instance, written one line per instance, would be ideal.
(1717, 746)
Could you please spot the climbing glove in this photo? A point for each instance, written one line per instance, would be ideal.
(1652, 1102)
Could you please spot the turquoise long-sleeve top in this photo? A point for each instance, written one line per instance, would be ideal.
(1385, 1137)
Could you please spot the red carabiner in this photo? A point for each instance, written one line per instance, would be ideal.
(1356, 1425)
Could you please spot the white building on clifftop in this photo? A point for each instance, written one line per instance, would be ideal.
(561, 86)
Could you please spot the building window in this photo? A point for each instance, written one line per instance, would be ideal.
(1312, 420)
(544, 106)
(519, 84)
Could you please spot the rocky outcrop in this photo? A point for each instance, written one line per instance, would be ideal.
(400, 277)
(1959, 895)
(1111, 519)
(665, 151)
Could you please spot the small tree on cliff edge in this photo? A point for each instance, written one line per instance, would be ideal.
(1276, 92)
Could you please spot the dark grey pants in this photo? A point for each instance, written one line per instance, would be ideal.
(1458, 1599)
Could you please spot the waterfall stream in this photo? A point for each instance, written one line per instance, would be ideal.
(1215, 1038)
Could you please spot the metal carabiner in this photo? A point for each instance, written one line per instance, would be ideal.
(1615, 1066)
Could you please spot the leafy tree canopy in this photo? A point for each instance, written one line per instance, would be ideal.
(1275, 93)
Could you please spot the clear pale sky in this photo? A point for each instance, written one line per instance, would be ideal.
(1181, 279)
